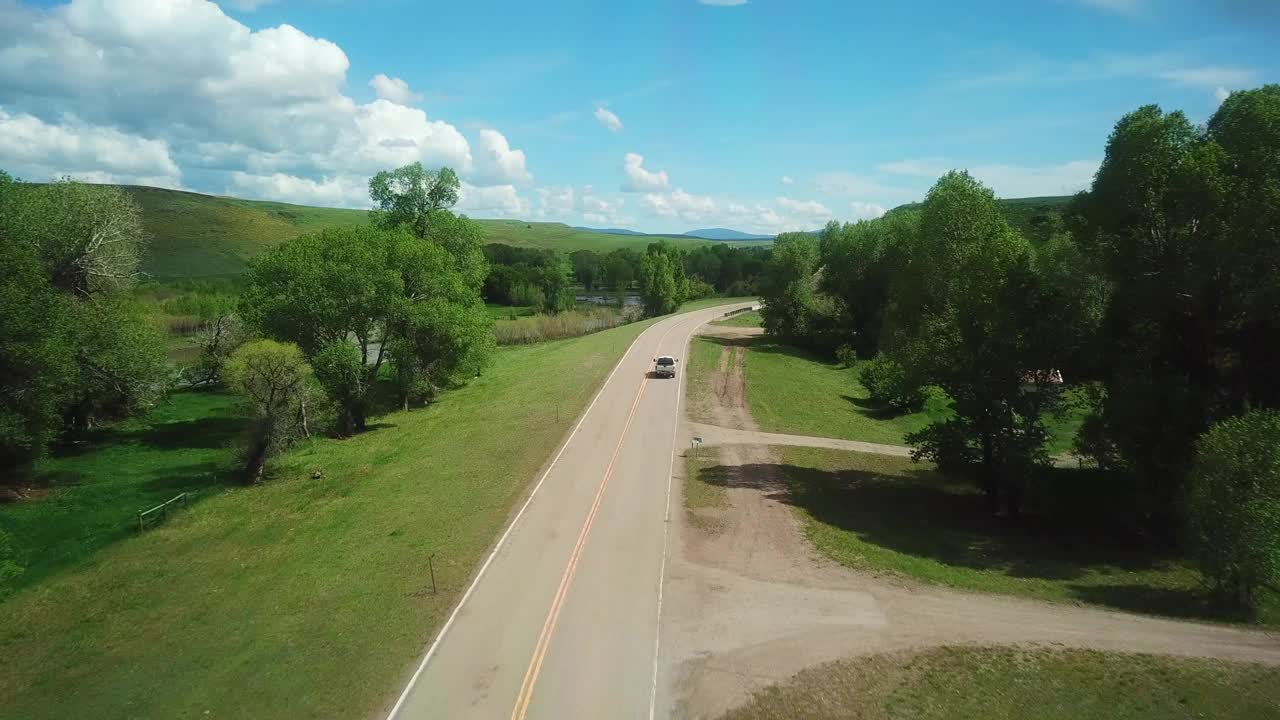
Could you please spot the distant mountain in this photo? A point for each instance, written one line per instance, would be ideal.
(725, 234)
(611, 231)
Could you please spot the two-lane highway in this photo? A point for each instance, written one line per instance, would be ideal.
(562, 620)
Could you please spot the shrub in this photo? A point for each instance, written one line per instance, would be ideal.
(890, 384)
(1233, 506)
(847, 357)
(275, 378)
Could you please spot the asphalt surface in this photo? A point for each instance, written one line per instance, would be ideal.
(562, 621)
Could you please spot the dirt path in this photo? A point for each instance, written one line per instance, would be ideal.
(749, 602)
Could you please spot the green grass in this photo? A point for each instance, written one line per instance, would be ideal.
(299, 597)
(792, 391)
(508, 312)
(993, 683)
(746, 319)
(95, 489)
(195, 235)
(702, 498)
(887, 515)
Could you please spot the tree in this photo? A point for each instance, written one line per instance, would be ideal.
(621, 268)
(412, 196)
(121, 365)
(587, 268)
(788, 288)
(339, 370)
(90, 236)
(37, 356)
(273, 377)
(860, 261)
(978, 336)
(663, 284)
(216, 341)
(1233, 506)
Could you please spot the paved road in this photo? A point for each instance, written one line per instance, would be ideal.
(562, 621)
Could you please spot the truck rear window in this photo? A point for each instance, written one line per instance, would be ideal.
(666, 361)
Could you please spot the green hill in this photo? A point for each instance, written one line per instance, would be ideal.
(201, 236)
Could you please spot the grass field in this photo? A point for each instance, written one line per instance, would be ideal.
(791, 391)
(296, 598)
(195, 235)
(699, 495)
(747, 319)
(887, 514)
(995, 683)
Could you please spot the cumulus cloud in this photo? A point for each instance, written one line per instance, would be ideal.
(638, 179)
(393, 89)
(39, 151)
(788, 180)
(681, 204)
(181, 79)
(495, 200)
(565, 203)
(496, 163)
(866, 210)
(349, 191)
(608, 119)
(810, 212)
(1221, 94)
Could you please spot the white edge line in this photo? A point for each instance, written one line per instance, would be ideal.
(502, 540)
(666, 525)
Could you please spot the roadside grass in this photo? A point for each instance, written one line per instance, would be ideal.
(93, 490)
(702, 363)
(887, 515)
(300, 597)
(507, 312)
(992, 683)
(701, 498)
(747, 319)
(792, 391)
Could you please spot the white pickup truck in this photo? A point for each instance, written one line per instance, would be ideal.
(664, 366)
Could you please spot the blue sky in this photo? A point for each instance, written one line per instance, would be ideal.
(659, 115)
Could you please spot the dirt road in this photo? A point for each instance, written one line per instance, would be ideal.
(562, 619)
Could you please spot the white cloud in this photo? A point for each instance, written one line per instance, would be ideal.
(565, 203)
(680, 204)
(811, 211)
(866, 210)
(219, 98)
(556, 201)
(1221, 94)
(496, 163)
(840, 182)
(608, 119)
(38, 151)
(1020, 181)
(248, 5)
(393, 89)
(723, 3)
(639, 179)
(349, 191)
(496, 200)
(788, 180)
(925, 168)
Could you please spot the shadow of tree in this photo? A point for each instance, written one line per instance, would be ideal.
(922, 514)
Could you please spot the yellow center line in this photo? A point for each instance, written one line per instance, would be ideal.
(553, 615)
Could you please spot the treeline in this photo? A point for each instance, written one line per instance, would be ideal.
(545, 279)
(1159, 292)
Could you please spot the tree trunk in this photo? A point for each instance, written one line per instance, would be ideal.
(990, 486)
(1013, 501)
(257, 463)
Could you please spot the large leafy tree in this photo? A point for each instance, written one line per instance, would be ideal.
(860, 261)
(37, 356)
(788, 287)
(663, 284)
(412, 196)
(1183, 222)
(979, 335)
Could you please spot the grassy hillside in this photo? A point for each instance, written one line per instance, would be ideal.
(194, 235)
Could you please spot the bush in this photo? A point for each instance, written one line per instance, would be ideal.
(275, 379)
(1233, 506)
(699, 288)
(890, 384)
(847, 357)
